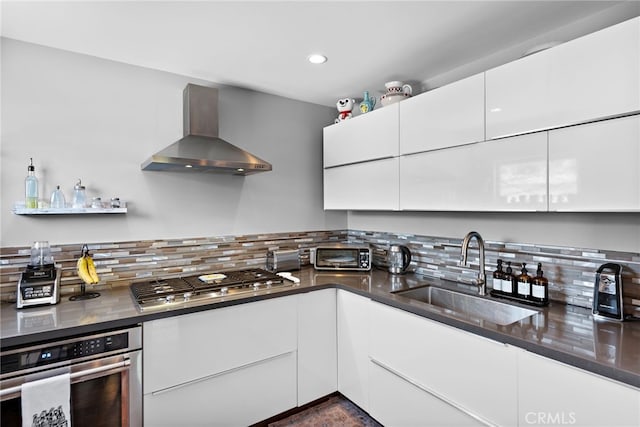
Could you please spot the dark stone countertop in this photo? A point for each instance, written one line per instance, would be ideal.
(565, 333)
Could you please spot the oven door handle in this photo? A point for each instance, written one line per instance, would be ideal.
(78, 376)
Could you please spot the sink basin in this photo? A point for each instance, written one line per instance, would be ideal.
(474, 307)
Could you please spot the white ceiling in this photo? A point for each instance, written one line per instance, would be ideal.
(263, 45)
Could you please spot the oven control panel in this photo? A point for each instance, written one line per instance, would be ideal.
(79, 348)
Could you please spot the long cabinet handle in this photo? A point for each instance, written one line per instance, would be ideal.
(219, 374)
(434, 393)
(77, 376)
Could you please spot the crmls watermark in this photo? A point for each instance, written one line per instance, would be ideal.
(550, 418)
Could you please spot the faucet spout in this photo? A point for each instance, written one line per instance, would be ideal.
(482, 283)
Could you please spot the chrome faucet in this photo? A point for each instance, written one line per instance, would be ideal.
(482, 282)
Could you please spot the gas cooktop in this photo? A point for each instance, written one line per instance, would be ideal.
(207, 288)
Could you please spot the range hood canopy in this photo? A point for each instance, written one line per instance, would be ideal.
(201, 149)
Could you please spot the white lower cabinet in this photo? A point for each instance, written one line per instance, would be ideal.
(471, 376)
(552, 393)
(399, 402)
(217, 358)
(240, 397)
(509, 174)
(317, 352)
(353, 347)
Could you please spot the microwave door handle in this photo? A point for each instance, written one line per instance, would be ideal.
(77, 377)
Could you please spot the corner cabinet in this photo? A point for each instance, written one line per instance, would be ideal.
(588, 78)
(361, 161)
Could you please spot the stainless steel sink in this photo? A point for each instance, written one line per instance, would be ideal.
(470, 306)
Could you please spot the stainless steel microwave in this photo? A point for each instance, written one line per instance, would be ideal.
(342, 257)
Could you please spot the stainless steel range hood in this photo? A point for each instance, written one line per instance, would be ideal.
(201, 149)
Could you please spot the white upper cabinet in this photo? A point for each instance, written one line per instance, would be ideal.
(594, 167)
(591, 77)
(444, 117)
(509, 174)
(370, 136)
(365, 186)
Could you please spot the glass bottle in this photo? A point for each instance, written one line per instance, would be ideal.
(31, 187)
(507, 280)
(57, 199)
(540, 287)
(79, 196)
(524, 283)
(498, 276)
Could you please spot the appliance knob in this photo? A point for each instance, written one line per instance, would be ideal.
(170, 298)
(256, 286)
(224, 291)
(187, 295)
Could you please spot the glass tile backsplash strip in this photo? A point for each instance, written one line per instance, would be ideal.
(571, 271)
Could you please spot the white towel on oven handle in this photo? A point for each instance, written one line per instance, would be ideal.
(46, 402)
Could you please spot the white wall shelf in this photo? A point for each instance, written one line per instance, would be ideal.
(19, 210)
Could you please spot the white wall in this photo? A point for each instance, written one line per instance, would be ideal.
(610, 231)
(84, 117)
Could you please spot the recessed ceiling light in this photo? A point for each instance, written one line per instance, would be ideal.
(316, 58)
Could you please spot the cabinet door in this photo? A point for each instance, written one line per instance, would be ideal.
(239, 397)
(597, 75)
(517, 96)
(353, 347)
(551, 393)
(185, 348)
(591, 77)
(366, 186)
(594, 167)
(373, 135)
(509, 174)
(317, 345)
(475, 373)
(444, 117)
(394, 401)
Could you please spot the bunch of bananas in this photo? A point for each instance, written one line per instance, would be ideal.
(86, 268)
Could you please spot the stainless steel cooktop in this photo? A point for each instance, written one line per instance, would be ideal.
(207, 288)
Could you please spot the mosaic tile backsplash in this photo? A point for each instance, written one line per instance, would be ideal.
(571, 271)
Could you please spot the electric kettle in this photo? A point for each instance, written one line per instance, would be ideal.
(398, 259)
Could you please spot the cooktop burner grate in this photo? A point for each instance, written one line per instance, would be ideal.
(204, 287)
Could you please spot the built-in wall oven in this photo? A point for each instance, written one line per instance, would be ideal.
(105, 370)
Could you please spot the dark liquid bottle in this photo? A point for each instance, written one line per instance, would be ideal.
(540, 287)
(507, 280)
(498, 276)
(524, 283)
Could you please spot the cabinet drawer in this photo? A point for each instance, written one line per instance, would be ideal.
(394, 401)
(267, 387)
(183, 348)
(454, 364)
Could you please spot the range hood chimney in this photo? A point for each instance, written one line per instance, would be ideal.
(201, 149)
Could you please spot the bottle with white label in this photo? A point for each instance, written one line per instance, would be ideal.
(498, 276)
(524, 283)
(507, 280)
(540, 287)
